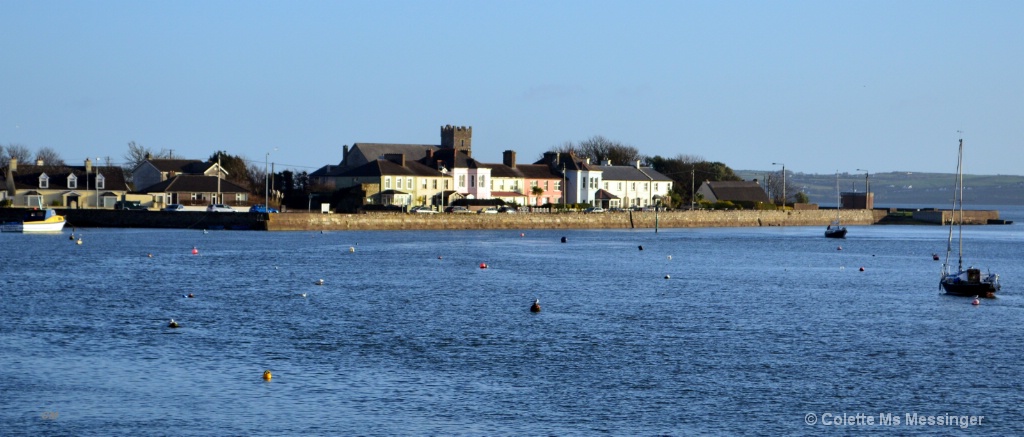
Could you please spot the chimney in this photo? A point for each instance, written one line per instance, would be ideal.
(607, 163)
(430, 154)
(638, 164)
(344, 155)
(39, 162)
(88, 166)
(440, 165)
(588, 161)
(149, 156)
(509, 158)
(14, 164)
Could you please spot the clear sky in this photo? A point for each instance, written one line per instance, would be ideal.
(818, 85)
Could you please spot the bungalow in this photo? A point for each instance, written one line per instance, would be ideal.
(65, 186)
(197, 190)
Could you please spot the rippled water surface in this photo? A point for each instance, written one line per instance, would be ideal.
(754, 329)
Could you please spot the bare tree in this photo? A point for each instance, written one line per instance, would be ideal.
(19, 152)
(137, 154)
(49, 157)
(599, 148)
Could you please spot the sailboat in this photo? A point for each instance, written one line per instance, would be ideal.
(836, 229)
(970, 282)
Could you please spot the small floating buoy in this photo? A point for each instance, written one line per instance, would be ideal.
(976, 301)
(190, 296)
(303, 295)
(640, 247)
(522, 234)
(195, 251)
(72, 237)
(935, 257)
(564, 239)
(862, 269)
(670, 257)
(483, 265)
(267, 375)
(149, 255)
(439, 257)
(204, 231)
(79, 242)
(319, 282)
(668, 277)
(351, 249)
(839, 248)
(173, 324)
(535, 308)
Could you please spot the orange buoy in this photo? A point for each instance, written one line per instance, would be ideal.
(483, 265)
(267, 375)
(521, 234)
(195, 251)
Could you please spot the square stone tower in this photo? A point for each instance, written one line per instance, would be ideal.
(457, 137)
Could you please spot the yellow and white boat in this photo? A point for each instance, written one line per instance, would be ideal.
(37, 220)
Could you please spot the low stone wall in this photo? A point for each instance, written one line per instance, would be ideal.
(618, 220)
(972, 217)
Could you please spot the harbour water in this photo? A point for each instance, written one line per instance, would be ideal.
(766, 331)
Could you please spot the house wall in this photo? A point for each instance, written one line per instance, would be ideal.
(146, 175)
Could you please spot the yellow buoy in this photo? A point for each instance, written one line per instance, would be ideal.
(351, 249)
(267, 375)
(79, 242)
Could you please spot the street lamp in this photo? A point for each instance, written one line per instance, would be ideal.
(867, 184)
(444, 184)
(266, 181)
(783, 183)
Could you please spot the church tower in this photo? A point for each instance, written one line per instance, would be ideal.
(457, 137)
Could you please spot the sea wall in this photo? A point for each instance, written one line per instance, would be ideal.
(946, 216)
(618, 220)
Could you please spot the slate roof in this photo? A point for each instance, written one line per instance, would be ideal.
(537, 171)
(742, 191)
(383, 167)
(362, 153)
(190, 166)
(503, 171)
(27, 177)
(194, 184)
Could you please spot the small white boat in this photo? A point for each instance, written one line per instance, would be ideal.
(37, 220)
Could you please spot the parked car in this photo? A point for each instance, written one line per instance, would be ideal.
(507, 209)
(458, 210)
(129, 205)
(488, 211)
(423, 210)
(261, 209)
(593, 210)
(174, 207)
(219, 208)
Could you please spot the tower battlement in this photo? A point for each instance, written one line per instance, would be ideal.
(457, 137)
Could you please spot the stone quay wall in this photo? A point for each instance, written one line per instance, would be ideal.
(617, 220)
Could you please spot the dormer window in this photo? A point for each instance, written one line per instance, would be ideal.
(72, 181)
(44, 181)
(100, 182)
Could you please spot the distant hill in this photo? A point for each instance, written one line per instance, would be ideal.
(905, 188)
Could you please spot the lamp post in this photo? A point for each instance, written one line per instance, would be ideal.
(692, 188)
(444, 184)
(867, 186)
(266, 181)
(783, 183)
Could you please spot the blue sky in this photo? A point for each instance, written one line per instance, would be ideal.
(819, 85)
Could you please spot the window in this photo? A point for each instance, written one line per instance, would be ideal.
(408, 183)
(533, 184)
(483, 181)
(241, 197)
(558, 185)
(547, 185)
(446, 184)
(634, 186)
(655, 186)
(44, 181)
(620, 186)
(101, 182)
(424, 184)
(606, 185)
(72, 181)
(387, 183)
(398, 183)
(472, 181)
(645, 186)
(462, 181)
(435, 184)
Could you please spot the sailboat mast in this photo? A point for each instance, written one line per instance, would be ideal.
(960, 196)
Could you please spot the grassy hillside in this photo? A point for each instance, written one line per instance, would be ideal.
(906, 188)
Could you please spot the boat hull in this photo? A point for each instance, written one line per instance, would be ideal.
(51, 224)
(971, 283)
(835, 233)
